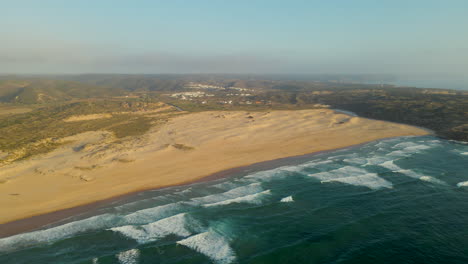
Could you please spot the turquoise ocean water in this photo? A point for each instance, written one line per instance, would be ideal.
(402, 200)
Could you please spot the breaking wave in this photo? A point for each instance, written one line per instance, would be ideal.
(432, 180)
(202, 217)
(211, 244)
(287, 199)
(369, 180)
(155, 213)
(153, 231)
(255, 198)
(410, 173)
(231, 194)
(57, 233)
(128, 257)
(353, 176)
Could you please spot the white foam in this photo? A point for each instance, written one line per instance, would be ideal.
(462, 184)
(358, 161)
(459, 142)
(413, 174)
(57, 233)
(287, 199)
(381, 143)
(276, 173)
(338, 173)
(432, 180)
(391, 166)
(227, 185)
(369, 180)
(95, 261)
(464, 153)
(212, 245)
(129, 257)
(406, 149)
(399, 153)
(251, 199)
(395, 168)
(417, 148)
(231, 194)
(153, 231)
(353, 176)
(270, 174)
(315, 163)
(155, 213)
(403, 145)
(376, 160)
(188, 190)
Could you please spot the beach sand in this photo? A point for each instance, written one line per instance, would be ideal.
(189, 147)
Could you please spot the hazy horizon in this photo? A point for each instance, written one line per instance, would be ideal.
(256, 37)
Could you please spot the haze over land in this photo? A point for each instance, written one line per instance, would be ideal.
(307, 37)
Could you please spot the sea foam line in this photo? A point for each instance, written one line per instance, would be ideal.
(228, 195)
(353, 176)
(395, 168)
(255, 198)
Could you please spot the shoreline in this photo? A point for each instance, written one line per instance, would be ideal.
(55, 218)
(189, 149)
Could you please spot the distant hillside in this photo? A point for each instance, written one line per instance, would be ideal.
(34, 91)
(131, 83)
(168, 82)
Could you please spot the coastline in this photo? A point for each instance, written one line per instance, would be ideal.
(51, 219)
(318, 139)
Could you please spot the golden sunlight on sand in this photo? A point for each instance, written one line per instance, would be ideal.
(187, 148)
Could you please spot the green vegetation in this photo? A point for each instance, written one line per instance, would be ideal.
(39, 131)
(135, 127)
(36, 113)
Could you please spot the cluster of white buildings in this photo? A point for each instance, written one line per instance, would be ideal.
(240, 89)
(242, 94)
(189, 95)
(193, 85)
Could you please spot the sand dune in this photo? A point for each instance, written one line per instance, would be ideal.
(187, 148)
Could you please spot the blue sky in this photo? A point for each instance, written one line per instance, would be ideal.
(353, 36)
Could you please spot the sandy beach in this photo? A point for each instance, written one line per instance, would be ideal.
(95, 167)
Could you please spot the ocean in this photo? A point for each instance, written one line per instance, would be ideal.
(400, 200)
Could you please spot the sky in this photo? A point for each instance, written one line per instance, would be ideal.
(243, 36)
